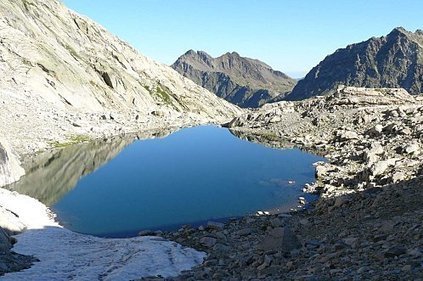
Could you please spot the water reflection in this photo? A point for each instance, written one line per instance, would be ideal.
(52, 174)
(117, 187)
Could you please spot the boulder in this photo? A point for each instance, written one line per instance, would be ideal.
(208, 241)
(280, 239)
(375, 131)
(412, 148)
(347, 135)
(379, 168)
(10, 168)
(215, 225)
(10, 221)
(5, 241)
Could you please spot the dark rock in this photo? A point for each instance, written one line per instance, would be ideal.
(215, 225)
(5, 241)
(395, 251)
(242, 81)
(281, 239)
(208, 241)
(390, 61)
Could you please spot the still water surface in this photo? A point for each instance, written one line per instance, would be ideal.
(193, 175)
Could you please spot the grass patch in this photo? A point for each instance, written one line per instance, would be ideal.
(71, 141)
(163, 95)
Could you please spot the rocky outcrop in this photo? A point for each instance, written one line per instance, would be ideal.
(64, 76)
(365, 226)
(10, 169)
(243, 81)
(370, 235)
(9, 260)
(371, 137)
(391, 61)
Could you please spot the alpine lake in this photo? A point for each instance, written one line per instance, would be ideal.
(121, 186)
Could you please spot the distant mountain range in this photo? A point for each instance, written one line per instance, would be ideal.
(242, 81)
(393, 61)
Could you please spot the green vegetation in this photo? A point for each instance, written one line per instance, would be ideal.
(164, 95)
(71, 141)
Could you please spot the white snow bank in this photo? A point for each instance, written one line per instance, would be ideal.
(65, 255)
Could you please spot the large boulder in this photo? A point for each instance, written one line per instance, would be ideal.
(10, 168)
(280, 239)
(5, 241)
(10, 221)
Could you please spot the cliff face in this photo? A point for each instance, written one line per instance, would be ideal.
(63, 74)
(242, 81)
(395, 60)
(10, 169)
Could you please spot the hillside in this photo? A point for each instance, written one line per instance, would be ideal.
(394, 60)
(243, 81)
(65, 77)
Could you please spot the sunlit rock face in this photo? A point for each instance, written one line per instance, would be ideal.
(64, 75)
(391, 61)
(10, 169)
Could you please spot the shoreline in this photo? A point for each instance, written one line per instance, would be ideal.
(366, 224)
(22, 236)
(368, 201)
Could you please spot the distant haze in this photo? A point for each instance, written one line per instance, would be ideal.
(291, 36)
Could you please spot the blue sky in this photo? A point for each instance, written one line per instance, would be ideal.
(290, 35)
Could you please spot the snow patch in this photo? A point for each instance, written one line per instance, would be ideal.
(66, 255)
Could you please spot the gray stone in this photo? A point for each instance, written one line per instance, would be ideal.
(10, 168)
(237, 79)
(380, 167)
(413, 148)
(5, 241)
(280, 239)
(208, 241)
(395, 251)
(215, 225)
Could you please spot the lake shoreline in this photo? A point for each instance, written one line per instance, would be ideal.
(367, 204)
(366, 224)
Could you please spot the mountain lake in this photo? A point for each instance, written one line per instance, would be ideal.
(117, 188)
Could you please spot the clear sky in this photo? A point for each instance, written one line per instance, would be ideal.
(290, 35)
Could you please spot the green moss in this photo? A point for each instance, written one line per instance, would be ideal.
(71, 141)
(148, 89)
(163, 95)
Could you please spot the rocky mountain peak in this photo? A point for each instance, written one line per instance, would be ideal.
(244, 81)
(394, 61)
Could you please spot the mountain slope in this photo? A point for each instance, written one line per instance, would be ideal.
(78, 79)
(395, 60)
(242, 81)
